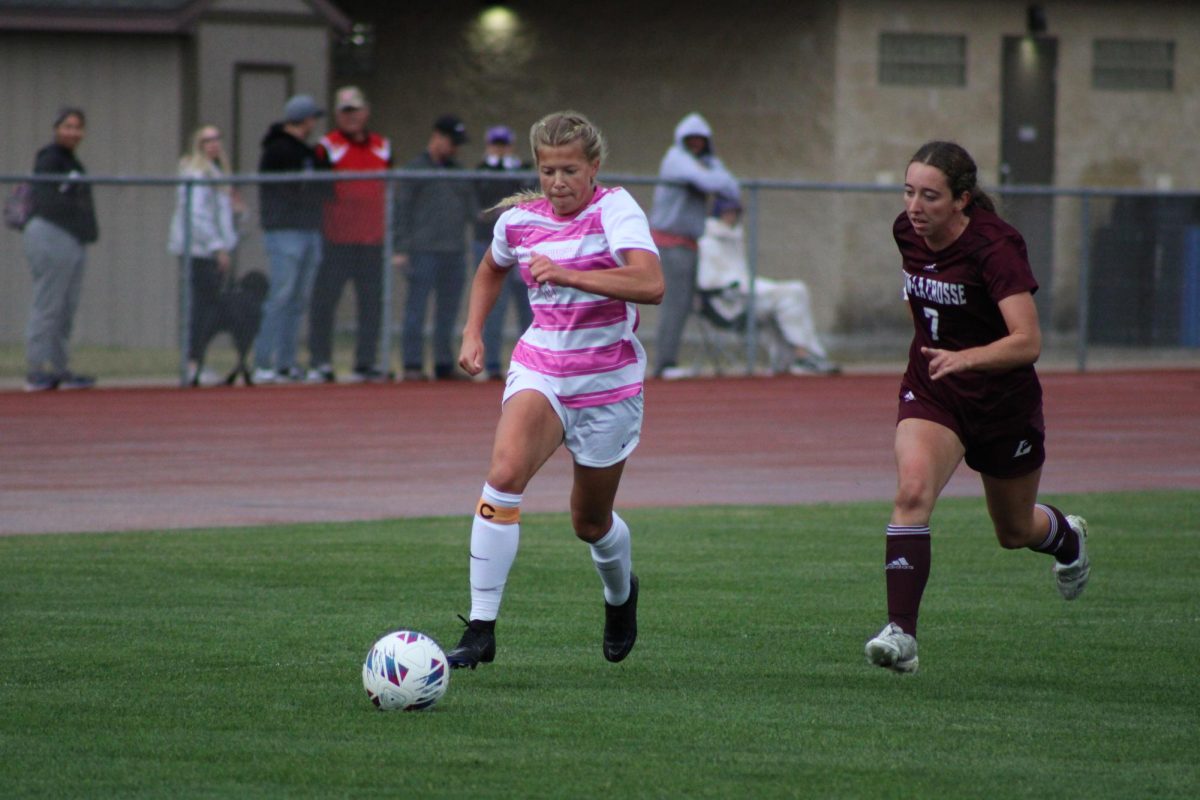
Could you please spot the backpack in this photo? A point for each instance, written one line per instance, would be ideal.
(18, 206)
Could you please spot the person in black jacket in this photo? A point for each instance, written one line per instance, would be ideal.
(63, 222)
(430, 223)
(499, 156)
(291, 214)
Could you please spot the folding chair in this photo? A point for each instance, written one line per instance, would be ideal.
(724, 339)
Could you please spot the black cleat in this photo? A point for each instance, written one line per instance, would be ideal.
(478, 643)
(620, 625)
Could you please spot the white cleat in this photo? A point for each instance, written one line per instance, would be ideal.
(894, 649)
(1073, 577)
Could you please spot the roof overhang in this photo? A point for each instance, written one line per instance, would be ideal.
(162, 17)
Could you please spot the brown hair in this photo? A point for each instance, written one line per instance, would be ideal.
(69, 111)
(958, 167)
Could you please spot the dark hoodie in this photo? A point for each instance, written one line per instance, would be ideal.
(294, 205)
(67, 205)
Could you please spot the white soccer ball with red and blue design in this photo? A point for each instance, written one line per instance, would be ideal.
(405, 671)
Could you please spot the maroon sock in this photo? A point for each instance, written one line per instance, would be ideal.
(907, 568)
(1061, 542)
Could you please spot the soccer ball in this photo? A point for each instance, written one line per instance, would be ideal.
(405, 670)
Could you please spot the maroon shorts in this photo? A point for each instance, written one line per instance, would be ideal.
(1009, 450)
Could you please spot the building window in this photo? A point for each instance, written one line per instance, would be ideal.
(1133, 64)
(922, 59)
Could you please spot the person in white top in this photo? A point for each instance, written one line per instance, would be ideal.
(586, 254)
(213, 232)
(723, 273)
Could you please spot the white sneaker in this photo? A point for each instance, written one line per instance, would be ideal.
(265, 375)
(814, 365)
(676, 373)
(1073, 577)
(894, 649)
(320, 374)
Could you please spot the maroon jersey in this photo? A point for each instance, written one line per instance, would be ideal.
(954, 295)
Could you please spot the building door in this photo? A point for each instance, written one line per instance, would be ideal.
(260, 91)
(1027, 139)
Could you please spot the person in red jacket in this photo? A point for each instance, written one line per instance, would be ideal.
(353, 226)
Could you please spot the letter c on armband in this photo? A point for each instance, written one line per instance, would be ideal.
(501, 515)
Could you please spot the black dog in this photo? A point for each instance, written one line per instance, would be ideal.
(239, 313)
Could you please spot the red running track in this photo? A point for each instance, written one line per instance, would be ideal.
(123, 459)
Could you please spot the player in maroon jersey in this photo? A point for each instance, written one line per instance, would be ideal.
(970, 391)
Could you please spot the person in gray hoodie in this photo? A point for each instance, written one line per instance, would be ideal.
(691, 174)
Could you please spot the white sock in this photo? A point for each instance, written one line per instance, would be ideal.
(612, 555)
(493, 550)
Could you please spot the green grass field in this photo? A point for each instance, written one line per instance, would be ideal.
(226, 663)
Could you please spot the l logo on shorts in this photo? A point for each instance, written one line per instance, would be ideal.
(1024, 448)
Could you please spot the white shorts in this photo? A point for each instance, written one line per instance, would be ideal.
(597, 436)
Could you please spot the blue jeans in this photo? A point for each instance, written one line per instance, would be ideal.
(514, 289)
(442, 274)
(294, 256)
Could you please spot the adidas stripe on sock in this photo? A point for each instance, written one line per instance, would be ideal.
(906, 566)
(495, 534)
(1061, 542)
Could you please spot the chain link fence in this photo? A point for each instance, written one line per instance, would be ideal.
(1119, 272)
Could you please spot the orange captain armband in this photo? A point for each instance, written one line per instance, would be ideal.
(501, 515)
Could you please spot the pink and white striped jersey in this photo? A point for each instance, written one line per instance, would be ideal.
(583, 343)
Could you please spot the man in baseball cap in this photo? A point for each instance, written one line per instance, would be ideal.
(499, 155)
(354, 230)
(290, 214)
(430, 220)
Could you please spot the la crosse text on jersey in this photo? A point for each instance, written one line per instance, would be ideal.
(935, 291)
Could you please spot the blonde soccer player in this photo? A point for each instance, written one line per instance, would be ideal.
(575, 377)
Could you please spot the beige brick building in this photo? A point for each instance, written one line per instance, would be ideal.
(843, 90)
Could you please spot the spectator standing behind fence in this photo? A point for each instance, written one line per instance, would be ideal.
(353, 227)
(499, 156)
(431, 216)
(213, 234)
(691, 174)
(724, 271)
(291, 221)
(61, 225)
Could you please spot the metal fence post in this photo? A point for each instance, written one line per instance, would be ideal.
(1085, 269)
(385, 313)
(185, 284)
(752, 265)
